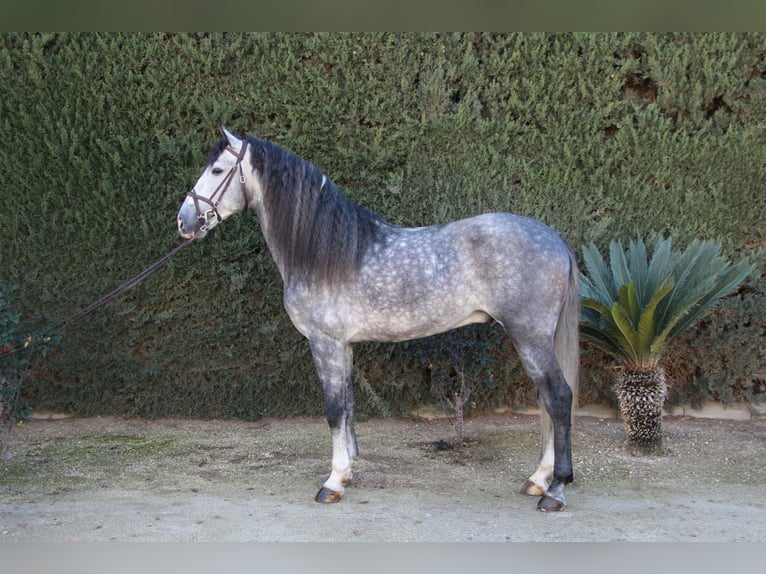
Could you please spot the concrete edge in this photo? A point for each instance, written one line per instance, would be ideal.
(711, 410)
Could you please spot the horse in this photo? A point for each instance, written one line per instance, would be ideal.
(349, 276)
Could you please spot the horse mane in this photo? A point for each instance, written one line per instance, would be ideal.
(316, 234)
(216, 151)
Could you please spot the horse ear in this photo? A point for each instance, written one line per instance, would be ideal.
(234, 141)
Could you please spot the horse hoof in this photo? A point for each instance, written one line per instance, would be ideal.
(550, 504)
(532, 489)
(326, 495)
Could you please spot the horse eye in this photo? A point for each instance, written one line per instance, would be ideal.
(217, 171)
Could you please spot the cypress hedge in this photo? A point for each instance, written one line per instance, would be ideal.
(601, 136)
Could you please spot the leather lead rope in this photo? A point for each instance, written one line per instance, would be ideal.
(100, 302)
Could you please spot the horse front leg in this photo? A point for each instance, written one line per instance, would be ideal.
(334, 363)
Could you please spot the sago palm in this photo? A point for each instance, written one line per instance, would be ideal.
(634, 306)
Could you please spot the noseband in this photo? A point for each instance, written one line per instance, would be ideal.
(219, 192)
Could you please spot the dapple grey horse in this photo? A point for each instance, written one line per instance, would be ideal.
(349, 276)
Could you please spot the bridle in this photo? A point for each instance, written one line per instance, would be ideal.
(217, 196)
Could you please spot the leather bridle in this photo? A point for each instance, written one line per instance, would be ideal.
(217, 196)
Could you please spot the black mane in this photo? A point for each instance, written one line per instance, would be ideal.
(316, 234)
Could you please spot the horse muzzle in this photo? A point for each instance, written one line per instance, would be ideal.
(193, 225)
(185, 231)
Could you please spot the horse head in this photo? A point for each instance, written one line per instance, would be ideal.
(209, 203)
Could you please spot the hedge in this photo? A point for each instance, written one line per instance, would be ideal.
(601, 136)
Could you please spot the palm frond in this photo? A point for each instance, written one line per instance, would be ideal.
(639, 270)
(723, 282)
(630, 303)
(602, 339)
(647, 326)
(634, 306)
(629, 336)
(619, 264)
(659, 266)
(687, 269)
(597, 282)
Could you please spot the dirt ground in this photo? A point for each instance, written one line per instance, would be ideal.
(102, 479)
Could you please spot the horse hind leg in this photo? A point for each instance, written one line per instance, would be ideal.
(555, 399)
(537, 483)
(555, 376)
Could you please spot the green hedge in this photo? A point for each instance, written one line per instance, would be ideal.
(600, 136)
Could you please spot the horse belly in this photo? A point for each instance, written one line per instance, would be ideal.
(406, 324)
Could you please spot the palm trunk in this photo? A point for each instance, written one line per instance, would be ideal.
(641, 393)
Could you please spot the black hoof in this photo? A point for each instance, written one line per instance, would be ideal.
(328, 496)
(550, 504)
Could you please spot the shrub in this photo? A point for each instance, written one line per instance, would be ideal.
(16, 352)
(635, 305)
(598, 135)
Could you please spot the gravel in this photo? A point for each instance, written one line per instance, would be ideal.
(109, 479)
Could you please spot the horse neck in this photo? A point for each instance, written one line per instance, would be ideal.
(274, 248)
(316, 235)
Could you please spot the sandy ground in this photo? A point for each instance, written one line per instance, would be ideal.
(108, 479)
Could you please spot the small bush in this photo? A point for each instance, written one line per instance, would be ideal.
(460, 363)
(16, 350)
(12, 366)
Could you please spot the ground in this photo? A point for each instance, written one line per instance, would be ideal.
(100, 479)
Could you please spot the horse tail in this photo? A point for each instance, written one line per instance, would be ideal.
(567, 338)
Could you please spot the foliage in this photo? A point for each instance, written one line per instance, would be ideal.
(635, 306)
(598, 135)
(15, 352)
(14, 364)
(459, 363)
(723, 356)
